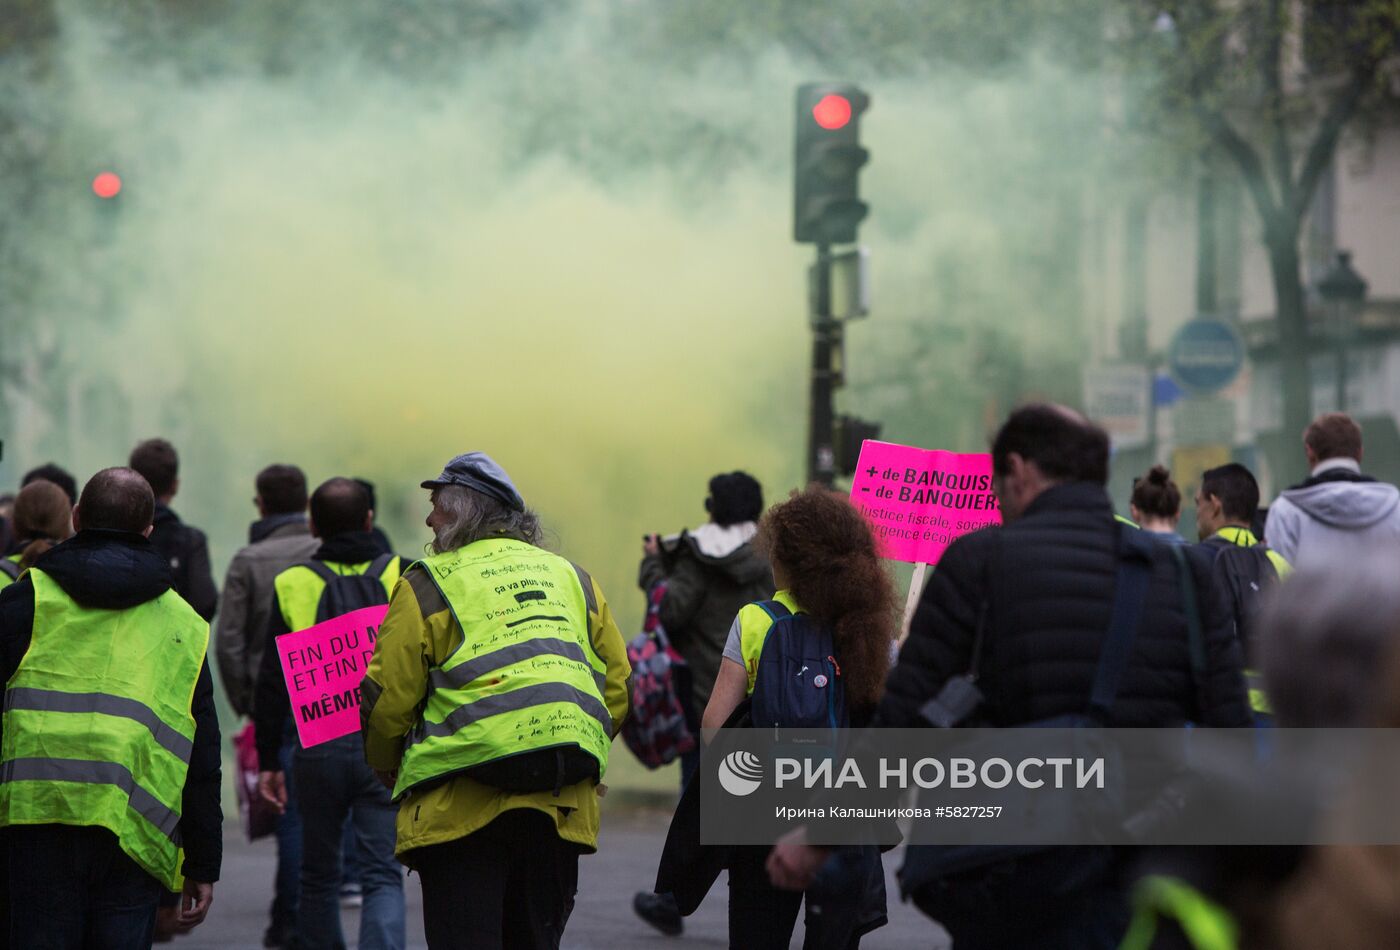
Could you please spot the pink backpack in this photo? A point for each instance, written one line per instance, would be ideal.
(655, 729)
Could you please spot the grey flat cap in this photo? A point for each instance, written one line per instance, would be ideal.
(479, 472)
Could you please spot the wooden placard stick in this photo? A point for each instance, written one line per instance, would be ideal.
(916, 587)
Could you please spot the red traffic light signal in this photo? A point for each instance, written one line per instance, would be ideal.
(832, 112)
(107, 185)
(826, 195)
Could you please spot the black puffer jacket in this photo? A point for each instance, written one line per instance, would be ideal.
(115, 570)
(1047, 580)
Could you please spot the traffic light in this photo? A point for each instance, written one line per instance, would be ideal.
(827, 207)
(850, 433)
(107, 185)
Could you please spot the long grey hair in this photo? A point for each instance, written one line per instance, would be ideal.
(475, 516)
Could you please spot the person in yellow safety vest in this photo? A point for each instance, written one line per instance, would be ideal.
(1226, 505)
(43, 517)
(331, 781)
(109, 742)
(497, 683)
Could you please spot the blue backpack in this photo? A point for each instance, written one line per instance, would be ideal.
(798, 684)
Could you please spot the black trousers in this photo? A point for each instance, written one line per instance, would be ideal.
(73, 888)
(761, 917)
(509, 886)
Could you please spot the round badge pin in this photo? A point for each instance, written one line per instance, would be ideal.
(819, 681)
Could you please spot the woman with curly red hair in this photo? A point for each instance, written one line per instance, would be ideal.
(825, 565)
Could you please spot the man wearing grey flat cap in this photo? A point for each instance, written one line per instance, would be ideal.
(498, 681)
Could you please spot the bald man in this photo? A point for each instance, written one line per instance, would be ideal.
(109, 766)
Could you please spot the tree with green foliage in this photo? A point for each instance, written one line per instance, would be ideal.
(1273, 85)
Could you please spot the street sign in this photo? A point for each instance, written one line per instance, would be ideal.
(1206, 354)
(1165, 390)
(1116, 397)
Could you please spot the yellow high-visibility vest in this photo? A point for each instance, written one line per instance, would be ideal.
(97, 723)
(526, 676)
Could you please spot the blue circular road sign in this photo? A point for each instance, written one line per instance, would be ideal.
(1206, 355)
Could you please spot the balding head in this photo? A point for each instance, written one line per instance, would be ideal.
(1042, 445)
(1332, 632)
(339, 506)
(115, 499)
(1063, 444)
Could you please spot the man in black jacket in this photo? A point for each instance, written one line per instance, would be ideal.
(1046, 580)
(109, 565)
(184, 546)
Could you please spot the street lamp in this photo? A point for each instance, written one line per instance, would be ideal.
(1343, 290)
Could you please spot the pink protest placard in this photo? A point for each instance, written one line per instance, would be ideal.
(323, 666)
(918, 501)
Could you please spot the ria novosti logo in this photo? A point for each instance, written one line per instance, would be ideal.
(740, 773)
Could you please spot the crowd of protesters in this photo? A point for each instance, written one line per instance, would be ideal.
(110, 818)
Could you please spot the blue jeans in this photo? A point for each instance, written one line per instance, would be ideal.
(349, 856)
(334, 784)
(74, 887)
(288, 880)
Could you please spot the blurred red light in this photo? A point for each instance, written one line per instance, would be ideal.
(107, 185)
(832, 112)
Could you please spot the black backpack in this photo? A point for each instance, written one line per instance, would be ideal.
(1247, 574)
(347, 592)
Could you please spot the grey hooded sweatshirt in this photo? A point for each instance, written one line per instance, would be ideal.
(709, 574)
(1335, 515)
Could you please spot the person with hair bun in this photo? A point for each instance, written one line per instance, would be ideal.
(825, 565)
(1156, 504)
(43, 517)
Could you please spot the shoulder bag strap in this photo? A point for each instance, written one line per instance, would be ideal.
(774, 609)
(1129, 591)
(1195, 637)
(320, 569)
(979, 634)
(586, 582)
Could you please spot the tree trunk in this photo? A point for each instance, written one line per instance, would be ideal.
(1295, 376)
(1207, 295)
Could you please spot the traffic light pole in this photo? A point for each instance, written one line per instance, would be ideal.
(826, 340)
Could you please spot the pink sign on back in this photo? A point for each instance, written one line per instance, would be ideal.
(918, 501)
(323, 666)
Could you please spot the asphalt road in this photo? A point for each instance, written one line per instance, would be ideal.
(602, 917)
